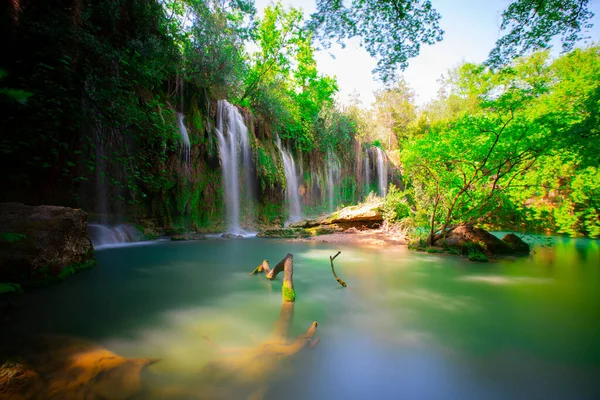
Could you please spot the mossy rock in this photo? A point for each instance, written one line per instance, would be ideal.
(42, 244)
(10, 288)
(477, 256)
(284, 233)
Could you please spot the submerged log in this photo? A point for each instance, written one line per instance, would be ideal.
(341, 282)
(62, 367)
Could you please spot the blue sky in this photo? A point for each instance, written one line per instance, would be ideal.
(471, 29)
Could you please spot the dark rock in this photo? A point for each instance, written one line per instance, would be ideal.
(180, 238)
(467, 238)
(516, 243)
(18, 380)
(42, 244)
(476, 255)
(231, 236)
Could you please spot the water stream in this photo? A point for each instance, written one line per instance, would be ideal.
(234, 151)
(291, 178)
(185, 140)
(382, 171)
(103, 235)
(367, 173)
(333, 178)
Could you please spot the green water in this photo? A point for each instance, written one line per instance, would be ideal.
(409, 326)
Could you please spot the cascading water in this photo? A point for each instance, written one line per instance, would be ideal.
(382, 172)
(291, 178)
(333, 176)
(367, 172)
(185, 140)
(104, 235)
(234, 147)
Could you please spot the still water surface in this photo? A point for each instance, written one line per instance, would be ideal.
(409, 326)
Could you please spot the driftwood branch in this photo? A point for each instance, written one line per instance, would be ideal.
(341, 282)
(281, 265)
(263, 267)
(286, 265)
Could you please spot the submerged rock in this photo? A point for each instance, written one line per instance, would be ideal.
(41, 244)
(18, 381)
(468, 239)
(516, 243)
(62, 367)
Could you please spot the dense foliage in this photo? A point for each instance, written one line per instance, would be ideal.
(97, 95)
(513, 148)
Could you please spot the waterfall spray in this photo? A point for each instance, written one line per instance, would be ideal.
(382, 172)
(233, 147)
(291, 178)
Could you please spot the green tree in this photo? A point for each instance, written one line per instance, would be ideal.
(530, 25)
(391, 31)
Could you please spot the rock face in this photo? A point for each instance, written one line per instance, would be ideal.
(41, 244)
(364, 216)
(516, 243)
(464, 238)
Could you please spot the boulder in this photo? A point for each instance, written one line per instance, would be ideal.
(231, 236)
(516, 243)
(365, 213)
(466, 238)
(362, 216)
(42, 244)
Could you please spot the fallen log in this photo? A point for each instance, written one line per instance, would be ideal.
(341, 282)
(263, 267)
(281, 265)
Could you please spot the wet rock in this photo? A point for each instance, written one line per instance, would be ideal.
(18, 381)
(285, 233)
(516, 243)
(231, 236)
(42, 244)
(467, 239)
(179, 238)
(186, 237)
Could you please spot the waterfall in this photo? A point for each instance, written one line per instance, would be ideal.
(185, 140)
(382, 172)
(333, 176)
(234, 147)
(367, 172)
(103, 235)
(291, 178)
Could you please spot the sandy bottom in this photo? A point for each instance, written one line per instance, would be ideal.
(366, 237)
